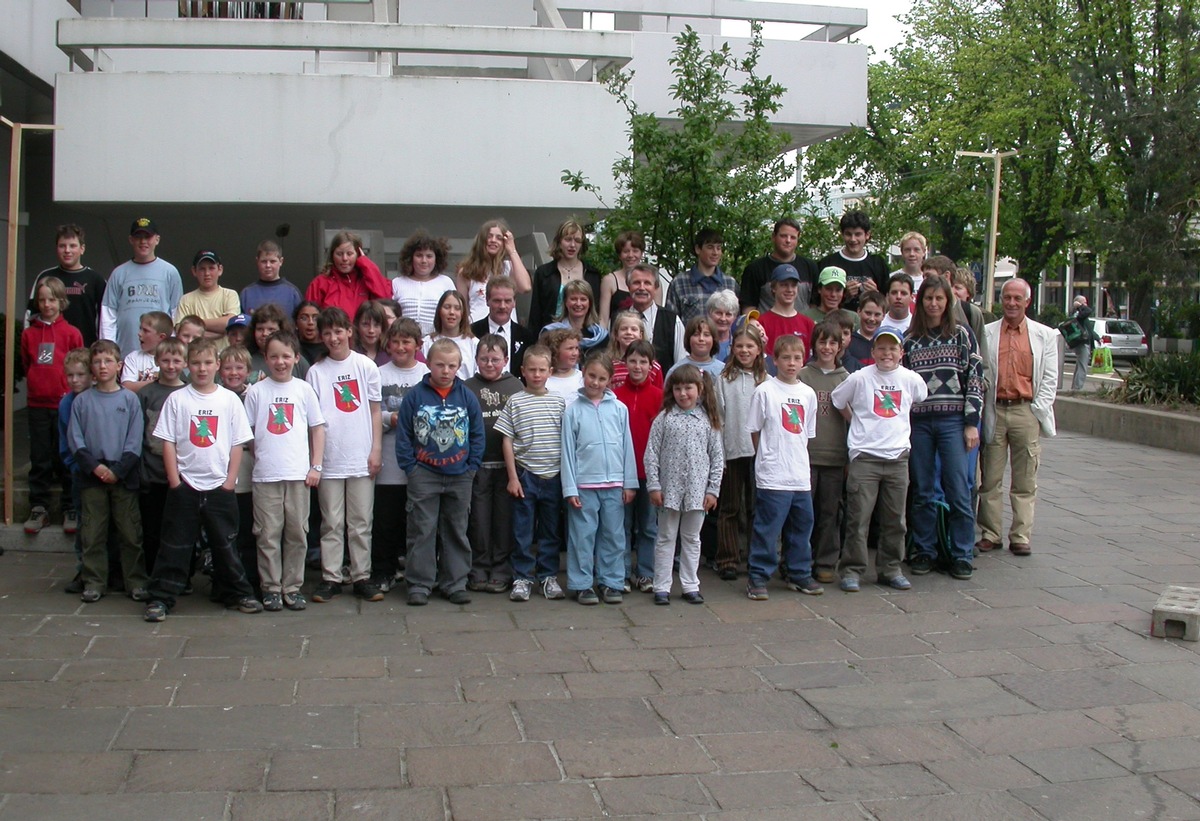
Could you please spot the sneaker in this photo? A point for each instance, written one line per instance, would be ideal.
(399, 577)
(627, 587)
(295, 601)
(825, 576)
(587, 597)
(920, 564)
(693, 598)
(729, 574)
(898, 583)
(90, 595)
(155, 611)
(645, 584)
(849, 585)
(808, 586)
(611, 595)
(39, 517)
(70, 522)
(272, 602)
(248, 605)
(521, 589)
(367, 591)
(384, 582)
(662, 598)
(477, 587)
(495, 586)
(961, 569)
(326, 591)
(459, 597)
(756, 591)
(75, 586)
(140, 594)
(417, 598)
(551, 588)
(345, 575)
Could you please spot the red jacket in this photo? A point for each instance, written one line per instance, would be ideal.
(334, 290)
(44, 348)
(644, 401)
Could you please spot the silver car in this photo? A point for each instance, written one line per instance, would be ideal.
(1124, 337)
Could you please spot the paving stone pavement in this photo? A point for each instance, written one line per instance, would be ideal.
(1032, 691)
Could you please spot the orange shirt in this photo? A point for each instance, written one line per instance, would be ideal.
(1014, 363)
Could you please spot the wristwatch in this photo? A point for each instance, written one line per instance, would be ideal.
(317, 468)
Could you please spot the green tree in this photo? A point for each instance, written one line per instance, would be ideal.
(719, 162)
(1140, 65)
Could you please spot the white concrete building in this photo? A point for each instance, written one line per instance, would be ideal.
(378, 115)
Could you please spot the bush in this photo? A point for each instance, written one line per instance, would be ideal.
(1052, 315)
(1162, 380)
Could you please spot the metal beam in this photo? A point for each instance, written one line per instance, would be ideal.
(767, 12)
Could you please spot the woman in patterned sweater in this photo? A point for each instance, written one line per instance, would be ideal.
(944, 427)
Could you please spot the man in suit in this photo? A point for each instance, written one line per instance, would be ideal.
(664, 329)
(1022, 365)
(501, 299)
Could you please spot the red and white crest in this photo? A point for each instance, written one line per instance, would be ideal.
(203, 431)
(887, 403)
(347, 397)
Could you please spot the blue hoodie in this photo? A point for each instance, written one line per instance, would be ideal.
(445, 436)
(597, 447)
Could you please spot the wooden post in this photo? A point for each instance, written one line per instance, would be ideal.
(989, 274)
(10, 300)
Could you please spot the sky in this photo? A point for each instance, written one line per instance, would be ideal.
(882, 31)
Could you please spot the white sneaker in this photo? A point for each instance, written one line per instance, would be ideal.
(550, 588)
(520, 590)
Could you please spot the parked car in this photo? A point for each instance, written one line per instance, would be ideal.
(1124, 337)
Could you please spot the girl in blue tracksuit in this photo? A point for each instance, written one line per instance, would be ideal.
(599, 477)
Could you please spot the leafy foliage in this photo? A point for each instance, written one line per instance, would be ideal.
(718, 163)
(1162, 380)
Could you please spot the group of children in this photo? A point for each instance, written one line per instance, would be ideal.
(455, 473)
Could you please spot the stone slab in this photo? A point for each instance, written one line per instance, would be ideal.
(874, 704)
(355, 769)
(236, 728)
(622, 757)
(475, 764)
(528, 801)
(1131, 797)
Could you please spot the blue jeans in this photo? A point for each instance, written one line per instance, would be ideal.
(786, 512)
(641, 531)
(940, 437)
(596, 540)
(542, 504)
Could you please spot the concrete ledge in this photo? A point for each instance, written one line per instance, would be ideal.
(1129, 423)
(50, 540)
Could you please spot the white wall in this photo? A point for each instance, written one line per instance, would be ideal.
(178, 138)
(27, 35)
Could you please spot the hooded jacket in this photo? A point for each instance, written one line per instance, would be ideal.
(445, 436)
(44, 347)
(597, 446)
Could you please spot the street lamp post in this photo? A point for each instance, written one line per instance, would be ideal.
(989, 274)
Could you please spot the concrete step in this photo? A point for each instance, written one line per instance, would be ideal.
(50, 540)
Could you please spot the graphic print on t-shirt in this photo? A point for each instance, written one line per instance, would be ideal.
(348, 398)
(793, 416)
(887, 403)
(203, 430)
(281, 415)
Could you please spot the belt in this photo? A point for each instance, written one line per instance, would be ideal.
(1004, 403)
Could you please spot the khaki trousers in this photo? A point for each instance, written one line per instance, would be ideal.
(281, 531)
(1017, 438)
(347, 504)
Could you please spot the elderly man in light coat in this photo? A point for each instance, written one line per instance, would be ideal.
(1022, 366)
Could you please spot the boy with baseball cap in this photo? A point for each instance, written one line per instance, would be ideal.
(145, 283)
(212, 303)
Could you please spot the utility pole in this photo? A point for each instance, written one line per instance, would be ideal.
(989, 274)
(11, 307)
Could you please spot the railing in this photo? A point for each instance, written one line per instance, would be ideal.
(85, 40)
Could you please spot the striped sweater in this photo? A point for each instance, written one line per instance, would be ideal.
(953, 370)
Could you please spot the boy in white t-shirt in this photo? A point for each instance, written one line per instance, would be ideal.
(347, 384)
(140, 367)
(389, 539)
(876, 400)
(781, 419)
(899, 305)
(289, 440)
(202, 427)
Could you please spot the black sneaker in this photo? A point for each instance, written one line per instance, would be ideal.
(417, 598)
(459, 597)
(729, 574)
(587, 596)
(920, 564)
(295, 601)
(156, 611)
(611, 595)
(91, 595)
(367, 591)
(961, 569)
(326, 591)
(75, 586)
(272, 602)
(383, 582)
(248, 605)
(693, 597)
(662, 599)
